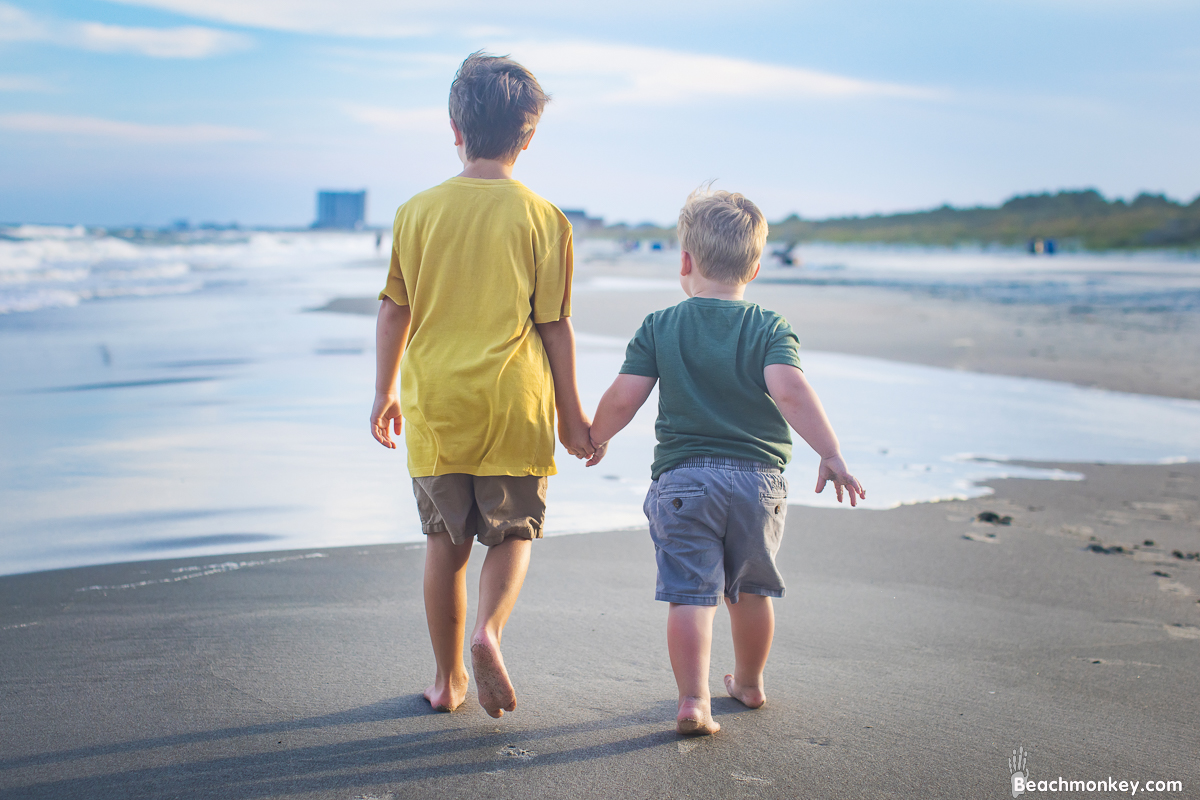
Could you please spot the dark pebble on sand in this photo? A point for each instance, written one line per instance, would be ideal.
(1160, 573)
(1185, 556)
(1148, 543)
(994, 518)
(1116, 549)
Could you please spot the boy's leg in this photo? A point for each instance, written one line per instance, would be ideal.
(446, 615)
(500, 583)
(689, 641)
(752, 619)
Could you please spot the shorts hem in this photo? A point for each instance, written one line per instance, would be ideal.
(733, 598)
(688, 599)
(527, 533)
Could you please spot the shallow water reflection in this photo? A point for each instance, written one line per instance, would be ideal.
(233, 420)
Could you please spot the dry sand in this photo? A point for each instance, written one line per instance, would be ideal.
(916, 647)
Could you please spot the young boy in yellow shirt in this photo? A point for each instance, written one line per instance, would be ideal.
(475, 323)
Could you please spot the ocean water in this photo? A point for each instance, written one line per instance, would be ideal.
(184, 399)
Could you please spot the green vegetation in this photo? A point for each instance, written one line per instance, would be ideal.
(1075, 220)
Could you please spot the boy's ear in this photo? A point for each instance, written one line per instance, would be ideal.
(686, 265)
(757, 267)
(530, 139)
(458, 137)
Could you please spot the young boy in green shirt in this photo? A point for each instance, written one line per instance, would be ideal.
(729, 385)
(475, 323)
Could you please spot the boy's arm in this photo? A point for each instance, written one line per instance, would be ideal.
(622, 400)
(558, 338)
(802, 409)
(391, 333)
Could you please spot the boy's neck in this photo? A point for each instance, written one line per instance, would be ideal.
(696, 284)
(487, 169)
(719, 291)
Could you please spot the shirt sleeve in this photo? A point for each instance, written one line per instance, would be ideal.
(784, 346)
(639, 355)
(395, 289)
(552, 281)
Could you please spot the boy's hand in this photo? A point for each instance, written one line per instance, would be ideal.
(386, 410)
(575, 435)
(600, 450)
(834, 469)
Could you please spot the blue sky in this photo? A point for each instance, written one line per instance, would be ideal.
(144, 111)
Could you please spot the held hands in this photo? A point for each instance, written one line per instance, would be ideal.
(600, 450)
(386, 410)
(575, 435)
(833, 468)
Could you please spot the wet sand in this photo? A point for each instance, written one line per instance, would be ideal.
(915, 649)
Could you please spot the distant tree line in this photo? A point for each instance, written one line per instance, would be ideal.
(1074, 220)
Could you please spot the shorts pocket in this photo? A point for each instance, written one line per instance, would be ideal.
(775, 504)
(677, 496)
(774, 497)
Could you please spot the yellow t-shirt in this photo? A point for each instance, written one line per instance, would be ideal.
(479, 262)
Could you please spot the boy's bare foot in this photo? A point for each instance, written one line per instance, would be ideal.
(749, 696)
(449, 696)
(496, 693)
(695, 718)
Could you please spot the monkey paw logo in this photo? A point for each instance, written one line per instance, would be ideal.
(1018, 770)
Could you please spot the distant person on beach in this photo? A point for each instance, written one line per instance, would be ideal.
(729, 385)
(475, 323)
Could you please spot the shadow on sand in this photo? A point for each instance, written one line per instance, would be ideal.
(346, 765)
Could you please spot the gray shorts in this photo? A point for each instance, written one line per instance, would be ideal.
(716, 525)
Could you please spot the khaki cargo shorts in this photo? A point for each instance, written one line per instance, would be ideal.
(490, 508)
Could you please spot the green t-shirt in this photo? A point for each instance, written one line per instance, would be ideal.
(708, 356)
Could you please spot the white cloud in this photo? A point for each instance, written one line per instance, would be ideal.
(23, 83)
(183, 42)
(596, 72)
(401, 120)
(633, 74)
(18, 26)
(367, 18)
(126, 131)
(402, 18)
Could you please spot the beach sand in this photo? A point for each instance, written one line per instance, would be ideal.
(916, 647)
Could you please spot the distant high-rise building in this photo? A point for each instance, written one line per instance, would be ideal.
(345, 210)
(581, 222)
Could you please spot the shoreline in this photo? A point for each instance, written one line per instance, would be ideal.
(1135, 352)
(913, 652)
(178, 569)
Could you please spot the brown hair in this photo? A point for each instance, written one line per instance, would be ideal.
(725, 234)
(495, 102)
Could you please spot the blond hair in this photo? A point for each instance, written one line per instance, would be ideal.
(495, 102)
(725, 234)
